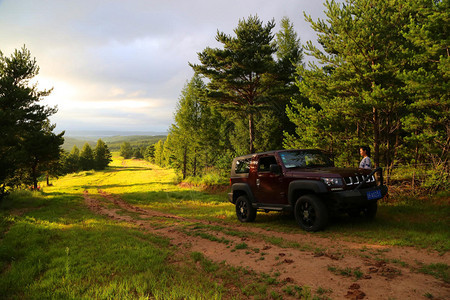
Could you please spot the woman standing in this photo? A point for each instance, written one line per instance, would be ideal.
(365, 162)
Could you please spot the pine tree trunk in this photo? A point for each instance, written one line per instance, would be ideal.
(251, 129)
(34, 176)
(376, 137)
(195, 163)
(388, 150)
(184, 162)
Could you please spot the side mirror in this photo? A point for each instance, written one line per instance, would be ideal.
(276, 169)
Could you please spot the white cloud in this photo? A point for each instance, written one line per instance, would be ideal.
(122, 64)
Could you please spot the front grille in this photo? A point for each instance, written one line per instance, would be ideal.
(357, 179)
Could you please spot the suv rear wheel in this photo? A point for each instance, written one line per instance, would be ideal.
(244, 210)
(311, 213)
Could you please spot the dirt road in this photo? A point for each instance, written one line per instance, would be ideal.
(345, 270)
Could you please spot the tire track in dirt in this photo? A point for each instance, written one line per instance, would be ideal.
(377, 278)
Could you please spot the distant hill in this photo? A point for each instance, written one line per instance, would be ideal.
(142, 141)
(69, 142)
(113, 142)
(97, 134)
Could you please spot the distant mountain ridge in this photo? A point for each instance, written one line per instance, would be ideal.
(96, 134)
(114, 142)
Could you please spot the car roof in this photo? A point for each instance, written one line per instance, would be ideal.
(273, 152)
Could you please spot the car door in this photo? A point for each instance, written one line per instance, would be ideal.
(268, 185)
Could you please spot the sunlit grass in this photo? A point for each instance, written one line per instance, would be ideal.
(59, 249)
(405, 221)
(53, 246)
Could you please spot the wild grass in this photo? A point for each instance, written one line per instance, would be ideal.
(404, 220)
(439, 270)
(356, 273)
(59, 249)
(52, 246)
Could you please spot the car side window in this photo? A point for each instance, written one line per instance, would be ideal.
(265, 162)
(243, 166)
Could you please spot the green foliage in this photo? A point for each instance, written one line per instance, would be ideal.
(87, 159)
(137, 153)
(102, 156)
(71, 161)
(383, 80)
(51, 242)
(96, 159)
(125, 150)
(194, 142)
(28, 147)
(242, 71)
(136, 141)
(158, 156)
(209, 178)
(438, 270)
(149, 153)
(427, 121)
(58, 246)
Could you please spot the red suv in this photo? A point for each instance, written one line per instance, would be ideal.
(305, 182)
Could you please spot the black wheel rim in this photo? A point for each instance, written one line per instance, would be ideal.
(307, 214)
(242, 209)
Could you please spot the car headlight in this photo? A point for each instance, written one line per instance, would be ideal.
(333, 181)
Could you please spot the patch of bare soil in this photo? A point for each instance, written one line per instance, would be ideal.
(348, 270)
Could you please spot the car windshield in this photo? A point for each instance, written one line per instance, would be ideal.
(305, 159)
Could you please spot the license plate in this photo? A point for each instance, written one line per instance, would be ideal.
(372, 195)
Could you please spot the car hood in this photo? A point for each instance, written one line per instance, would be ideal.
(326, 172)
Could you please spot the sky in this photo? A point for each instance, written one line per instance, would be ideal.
(121, 65)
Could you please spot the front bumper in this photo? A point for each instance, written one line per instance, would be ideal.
(355, 198)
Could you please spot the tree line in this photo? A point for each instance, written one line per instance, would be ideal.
(379, 77)
(29, 148)
(86, 159)
(28, 145)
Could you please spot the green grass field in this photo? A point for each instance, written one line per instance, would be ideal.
(53, 246)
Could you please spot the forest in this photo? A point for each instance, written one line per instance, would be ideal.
(378, 75)
(134, 220)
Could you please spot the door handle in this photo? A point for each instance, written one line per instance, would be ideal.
(258, 182)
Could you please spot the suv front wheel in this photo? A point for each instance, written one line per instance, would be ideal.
(245, 212)
(311, 213)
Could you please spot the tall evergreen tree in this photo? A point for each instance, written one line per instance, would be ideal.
(87, 160)
(149, 153)
(242, 72)
(159, 147)
(195, 135)
(355, 97)
(102, 156)
(71, 161)
(273, 121)
(427, 123)
(137, 153)
(23, 121)
(41, 150)
(126, 151)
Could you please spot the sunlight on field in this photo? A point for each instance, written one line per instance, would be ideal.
(147, 185)
(405, 222)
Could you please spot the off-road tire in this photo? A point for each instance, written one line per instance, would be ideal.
(311, 213)
(244, 210)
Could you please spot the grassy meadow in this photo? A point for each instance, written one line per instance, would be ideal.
(53, 246)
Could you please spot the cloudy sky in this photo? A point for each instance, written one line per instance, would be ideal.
(121, 65)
